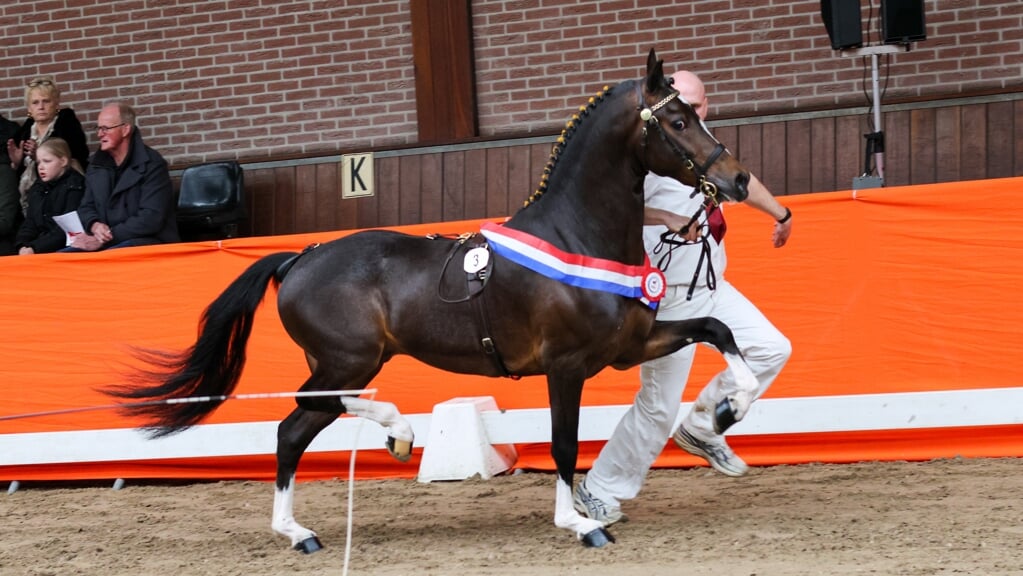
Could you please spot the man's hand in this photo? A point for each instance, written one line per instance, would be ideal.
(781, 233)
(86, 242)
(762, 199)
(102, 232)
(674, 222)
(25, 251)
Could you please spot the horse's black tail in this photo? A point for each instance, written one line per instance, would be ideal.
(211, 367)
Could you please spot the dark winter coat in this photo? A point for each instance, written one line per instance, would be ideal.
(10, 198)
(139, 204)
(46, 200)
(66, 126)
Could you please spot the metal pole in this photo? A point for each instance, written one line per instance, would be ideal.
(878, 127)
(875, 140)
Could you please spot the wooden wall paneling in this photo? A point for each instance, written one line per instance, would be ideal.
(431, 187)
(522, 177)
(849, 149)
(822, 154)
(259, 194)
(388, 186)
(947, 143)
(475, 183)
(410, 201)
(283, 201)
(798, 156)
(259, 189)
(999, 140)
(1017, 138)
(319, 215)
(445, 78)
(896, 148)
(366, 208)
(972, 156)
(951, 143)
(453, 191)
(749, 147)
(497, 182)
(328, 194)
(923, 167)
(772, 158)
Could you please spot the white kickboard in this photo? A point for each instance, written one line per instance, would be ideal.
(458, 448)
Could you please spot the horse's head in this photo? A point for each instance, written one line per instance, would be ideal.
(676, 143)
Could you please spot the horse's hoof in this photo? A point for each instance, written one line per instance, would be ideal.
(309, 545)
(598, 538)
(400, 449)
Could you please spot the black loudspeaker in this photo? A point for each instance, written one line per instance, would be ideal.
(902, 21)
(843, 22)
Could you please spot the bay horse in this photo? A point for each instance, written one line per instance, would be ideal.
(355, 302)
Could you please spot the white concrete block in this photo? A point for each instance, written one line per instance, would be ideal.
(457, 446)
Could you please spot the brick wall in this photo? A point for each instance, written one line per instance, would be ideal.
(255, 79)
(249, 79)
(535, 57)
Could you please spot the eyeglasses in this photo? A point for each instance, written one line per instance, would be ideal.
(40, 82)
(105, 129)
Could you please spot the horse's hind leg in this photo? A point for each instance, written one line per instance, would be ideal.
(314, 413)
(400, 436)
(293, 437)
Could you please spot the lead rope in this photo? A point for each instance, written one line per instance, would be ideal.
(670, 240)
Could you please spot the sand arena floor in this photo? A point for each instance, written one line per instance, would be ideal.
(940, 517)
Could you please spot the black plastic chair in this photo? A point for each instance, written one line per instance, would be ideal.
(210, 201)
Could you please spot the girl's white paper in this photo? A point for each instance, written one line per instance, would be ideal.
(70, 224)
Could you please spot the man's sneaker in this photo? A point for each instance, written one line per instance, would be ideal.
(718, 453)
(594, 508)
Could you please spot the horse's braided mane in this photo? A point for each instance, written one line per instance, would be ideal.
(562, 142)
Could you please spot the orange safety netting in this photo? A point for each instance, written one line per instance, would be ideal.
(896, 290)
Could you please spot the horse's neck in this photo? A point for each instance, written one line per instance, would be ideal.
(594, 201)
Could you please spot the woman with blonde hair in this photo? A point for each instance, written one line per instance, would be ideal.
(59, 190)
(46, 119)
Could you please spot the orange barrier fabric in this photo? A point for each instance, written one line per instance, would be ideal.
(888, 290)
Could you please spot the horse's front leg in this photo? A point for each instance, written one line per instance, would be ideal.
(565, 395)
(669, 336)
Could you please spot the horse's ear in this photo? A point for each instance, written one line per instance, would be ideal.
(654, 72)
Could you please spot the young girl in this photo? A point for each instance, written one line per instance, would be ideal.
(58, 190)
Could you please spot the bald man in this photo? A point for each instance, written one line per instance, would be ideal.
(696, 288)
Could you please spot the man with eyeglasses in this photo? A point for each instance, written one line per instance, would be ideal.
(129, 200)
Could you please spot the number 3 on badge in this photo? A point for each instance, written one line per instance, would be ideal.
(476, 259)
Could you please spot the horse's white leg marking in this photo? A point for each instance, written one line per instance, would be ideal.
(565, 515)
(283, 521)
(745, 382)
(383, 413)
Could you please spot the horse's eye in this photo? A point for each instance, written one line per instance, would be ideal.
(678, 125)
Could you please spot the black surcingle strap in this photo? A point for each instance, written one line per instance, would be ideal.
(476, 296)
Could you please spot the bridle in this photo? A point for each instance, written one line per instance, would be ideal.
(647, 115)
(703, 186)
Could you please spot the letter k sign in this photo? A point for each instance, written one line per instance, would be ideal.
(357, 175)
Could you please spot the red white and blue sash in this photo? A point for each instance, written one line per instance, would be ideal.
(644, 282)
